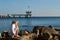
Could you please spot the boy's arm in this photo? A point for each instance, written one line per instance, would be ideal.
(13, 28)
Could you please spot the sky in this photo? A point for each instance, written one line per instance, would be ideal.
(38, 7)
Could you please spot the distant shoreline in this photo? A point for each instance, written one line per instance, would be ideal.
(34, 17)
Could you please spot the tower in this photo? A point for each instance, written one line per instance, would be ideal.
(28, 12)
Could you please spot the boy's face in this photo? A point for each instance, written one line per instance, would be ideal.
(16, 23)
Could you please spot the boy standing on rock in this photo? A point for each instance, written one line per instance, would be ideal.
(14, 28)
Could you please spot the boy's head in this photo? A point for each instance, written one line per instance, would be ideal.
(15, 22)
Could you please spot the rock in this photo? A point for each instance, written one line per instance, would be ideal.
(52, 30)
(5, 34)
(24, 32)
(37, 30)
(24, 37)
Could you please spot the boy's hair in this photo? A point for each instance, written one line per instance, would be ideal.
(14, 21)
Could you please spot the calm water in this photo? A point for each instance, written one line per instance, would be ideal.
(29, 23)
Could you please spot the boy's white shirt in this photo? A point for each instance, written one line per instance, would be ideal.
(13, 27)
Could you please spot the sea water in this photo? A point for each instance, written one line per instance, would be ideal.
(29, 23)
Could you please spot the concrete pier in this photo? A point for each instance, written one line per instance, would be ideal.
(28, 14)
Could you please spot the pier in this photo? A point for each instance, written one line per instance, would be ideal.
(28, 14)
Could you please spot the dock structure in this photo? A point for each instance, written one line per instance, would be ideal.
(28, 14)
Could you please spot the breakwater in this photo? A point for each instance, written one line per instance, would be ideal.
(38, 33)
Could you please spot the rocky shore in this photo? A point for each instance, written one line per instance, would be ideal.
(38, 33)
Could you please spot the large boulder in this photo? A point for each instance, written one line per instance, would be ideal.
(52, 30)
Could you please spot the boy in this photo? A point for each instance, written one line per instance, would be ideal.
(14, 28)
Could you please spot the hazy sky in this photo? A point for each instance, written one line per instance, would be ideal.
(38, 7)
